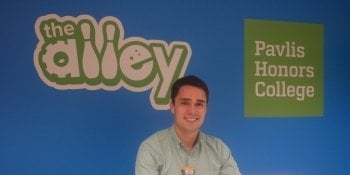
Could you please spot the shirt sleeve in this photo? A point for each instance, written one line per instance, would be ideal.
(229, 165)
(146, 161)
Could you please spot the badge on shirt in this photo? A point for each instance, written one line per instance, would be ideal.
(187, 170)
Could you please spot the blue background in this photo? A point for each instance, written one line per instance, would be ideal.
(47, 131)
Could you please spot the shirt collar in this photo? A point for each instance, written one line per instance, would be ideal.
(177, 140)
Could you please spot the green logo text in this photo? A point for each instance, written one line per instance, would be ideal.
(79, 53)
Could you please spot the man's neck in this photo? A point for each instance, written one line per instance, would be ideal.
(189, 139)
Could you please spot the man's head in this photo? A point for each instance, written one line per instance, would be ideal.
(190, 80)
(189, 104)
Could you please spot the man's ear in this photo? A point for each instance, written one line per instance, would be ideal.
(172, 107)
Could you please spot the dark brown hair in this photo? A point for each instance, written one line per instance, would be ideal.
(189, 80)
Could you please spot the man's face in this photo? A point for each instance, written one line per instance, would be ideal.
(189, 109)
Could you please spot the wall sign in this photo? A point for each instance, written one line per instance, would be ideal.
(79, 53)
(283, 68)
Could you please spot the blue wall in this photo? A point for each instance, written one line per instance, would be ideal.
(48, 131)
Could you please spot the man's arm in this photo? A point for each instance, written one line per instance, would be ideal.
(146, 161)
(229, 165)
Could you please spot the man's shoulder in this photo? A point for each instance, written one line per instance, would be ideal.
(210, 138)
(158, 137)
(213, 141)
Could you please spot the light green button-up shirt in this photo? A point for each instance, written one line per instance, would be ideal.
(164, 154)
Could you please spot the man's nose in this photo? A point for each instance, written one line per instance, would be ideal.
(192, 109)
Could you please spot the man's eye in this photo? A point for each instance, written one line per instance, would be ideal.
(200, 104)
(185, 103)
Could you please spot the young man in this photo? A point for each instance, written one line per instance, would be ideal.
(183, 148)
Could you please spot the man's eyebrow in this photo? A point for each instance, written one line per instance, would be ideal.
(201, 101)
(184, 99)
(189, 99)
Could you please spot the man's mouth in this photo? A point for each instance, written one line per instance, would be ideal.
(191, 118)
